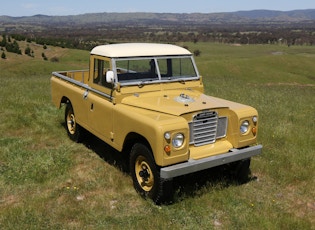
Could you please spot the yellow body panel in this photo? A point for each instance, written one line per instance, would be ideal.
(219, 147)
(152, 114)
(149, 111)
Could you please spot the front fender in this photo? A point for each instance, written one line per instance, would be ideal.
(151, 126)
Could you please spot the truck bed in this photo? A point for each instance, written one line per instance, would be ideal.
(75, 76)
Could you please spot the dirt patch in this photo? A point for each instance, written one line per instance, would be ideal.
(311, 77)
(300, 207)
(283, 84)
(277, 53)
(9, 200)
(290, 84)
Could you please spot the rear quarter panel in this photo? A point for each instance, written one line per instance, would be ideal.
(61, 90)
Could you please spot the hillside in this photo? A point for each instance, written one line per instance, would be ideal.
(255, 16)
(269, 15)
(87, 30)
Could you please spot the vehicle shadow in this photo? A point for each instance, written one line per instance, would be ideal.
(110, 155)
(191, 185)
(199, 183)
(103, 150)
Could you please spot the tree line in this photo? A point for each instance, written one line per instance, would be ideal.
(9, 43)
(86, 38)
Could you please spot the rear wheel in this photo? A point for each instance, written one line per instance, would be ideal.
(74, 130)
(146, 175)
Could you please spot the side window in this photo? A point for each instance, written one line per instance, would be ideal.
(100, 69)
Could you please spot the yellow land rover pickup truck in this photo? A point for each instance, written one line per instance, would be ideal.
(147, 100)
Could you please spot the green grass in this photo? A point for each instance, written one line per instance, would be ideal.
(49, 182)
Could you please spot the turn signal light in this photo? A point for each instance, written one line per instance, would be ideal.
(254, 130)
(167, 149)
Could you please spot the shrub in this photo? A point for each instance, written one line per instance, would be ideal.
(54, 59)
(197, 53)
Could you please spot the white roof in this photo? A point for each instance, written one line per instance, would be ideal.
(138, 50)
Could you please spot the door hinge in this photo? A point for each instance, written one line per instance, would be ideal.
(85, 95)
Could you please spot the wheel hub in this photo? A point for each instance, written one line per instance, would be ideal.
(144, 174)
(71, 124)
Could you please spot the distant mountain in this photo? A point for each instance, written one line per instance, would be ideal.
(254, 16)
(295, 15)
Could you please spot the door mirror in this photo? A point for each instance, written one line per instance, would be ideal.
(110, 76)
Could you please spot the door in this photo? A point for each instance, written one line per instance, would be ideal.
(100, 105)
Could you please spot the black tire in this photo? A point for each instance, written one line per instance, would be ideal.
(241, 171)
(74, 130)
(146, 176)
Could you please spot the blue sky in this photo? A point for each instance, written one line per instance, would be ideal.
(73, 7)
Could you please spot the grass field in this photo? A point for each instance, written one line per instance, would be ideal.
(49, 182)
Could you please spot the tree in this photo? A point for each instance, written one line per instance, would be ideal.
(44, 57)
(13, 47)
(3, 43)
(197, 52)
(28, 51)
(3, 56)
(54, 59)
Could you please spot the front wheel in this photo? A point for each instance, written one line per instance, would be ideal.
(74, 130)
(146, 175)
(241, 171)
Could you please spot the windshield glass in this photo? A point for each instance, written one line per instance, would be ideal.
(155, 69)
(176, 68)
(136, 69)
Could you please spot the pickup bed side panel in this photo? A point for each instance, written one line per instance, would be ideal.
(62, 89)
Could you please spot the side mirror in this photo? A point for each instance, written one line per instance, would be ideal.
(110, 76)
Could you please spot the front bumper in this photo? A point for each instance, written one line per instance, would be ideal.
(209, 162)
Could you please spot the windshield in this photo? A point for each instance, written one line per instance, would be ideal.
(176, 68)
(131, 71)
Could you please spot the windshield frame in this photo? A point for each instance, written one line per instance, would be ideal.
(159, 78)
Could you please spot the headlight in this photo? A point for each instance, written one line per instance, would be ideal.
(167, 136)
(244, 127)
(178, 140)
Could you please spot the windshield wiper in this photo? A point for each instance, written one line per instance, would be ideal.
(182, 80)
(178, 79)
(142, 83)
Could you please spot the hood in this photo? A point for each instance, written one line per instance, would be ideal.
(175, 102)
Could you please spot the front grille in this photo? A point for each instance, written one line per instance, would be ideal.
(206, 127)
